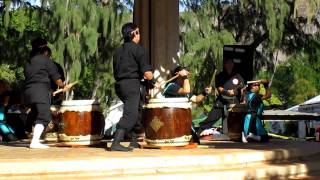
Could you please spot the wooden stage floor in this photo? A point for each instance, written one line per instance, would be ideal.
(224, 160)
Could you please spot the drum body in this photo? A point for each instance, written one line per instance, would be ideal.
(236, 121)
(81, 123)
(167, 122)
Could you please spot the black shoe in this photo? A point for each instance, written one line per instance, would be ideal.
(134, 144)
(134, 141)
(116, 146)
(9, 138)
(195, 136)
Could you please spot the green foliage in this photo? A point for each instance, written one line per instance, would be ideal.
(275, 101)
(84, 87)
(276, 13)
(297, 80)
(206, 26)
(84, 35)
(22, 26)
(282, 80)
(12, 74)
(306, 9)
(81, 34)
(306, 79)
(7, 73)
(202, 42)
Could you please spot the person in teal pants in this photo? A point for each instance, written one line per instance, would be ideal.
(253, 130)
(6, 131)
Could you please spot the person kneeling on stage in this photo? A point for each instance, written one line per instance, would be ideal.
(253, 127)
(229, 84)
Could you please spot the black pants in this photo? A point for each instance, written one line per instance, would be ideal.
(138, 127)
(128, 91)
(40, 114)
(252, 124)
(253, 128)
(216, 113)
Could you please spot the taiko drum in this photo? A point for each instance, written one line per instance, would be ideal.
(167, 122)
(236, 121)
(81, 122)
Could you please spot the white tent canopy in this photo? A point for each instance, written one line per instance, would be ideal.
(310, 106)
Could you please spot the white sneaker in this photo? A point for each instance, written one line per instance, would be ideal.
(38, 146)
(255, 138)
(243, 138)
(207, 132)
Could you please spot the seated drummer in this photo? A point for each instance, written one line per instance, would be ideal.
(180, 87)
(229, 85)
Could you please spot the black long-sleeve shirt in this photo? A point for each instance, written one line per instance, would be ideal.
(130, 61)
(223, 79)
(38, 72)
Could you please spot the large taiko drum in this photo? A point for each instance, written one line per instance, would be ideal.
(167, 122)
(81, 122)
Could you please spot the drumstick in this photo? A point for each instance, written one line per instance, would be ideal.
(153, 94)
(213, 77)
(256, 81)
(61, 90)
(171, 79)
(213, 81)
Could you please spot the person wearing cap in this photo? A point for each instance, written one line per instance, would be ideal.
(130, 65)
(228, 84)
(38, 71)
(253, 130)
(180, 87)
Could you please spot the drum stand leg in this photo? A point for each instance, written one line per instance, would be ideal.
(224, 136)
(224, 120)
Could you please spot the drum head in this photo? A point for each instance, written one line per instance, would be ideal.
(80, 105)
(168, 100)
(79, 102)
(168, 103)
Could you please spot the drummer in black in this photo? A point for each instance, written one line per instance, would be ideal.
(38, 71)
(228, 84)
(130, 65)
(57, 99)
